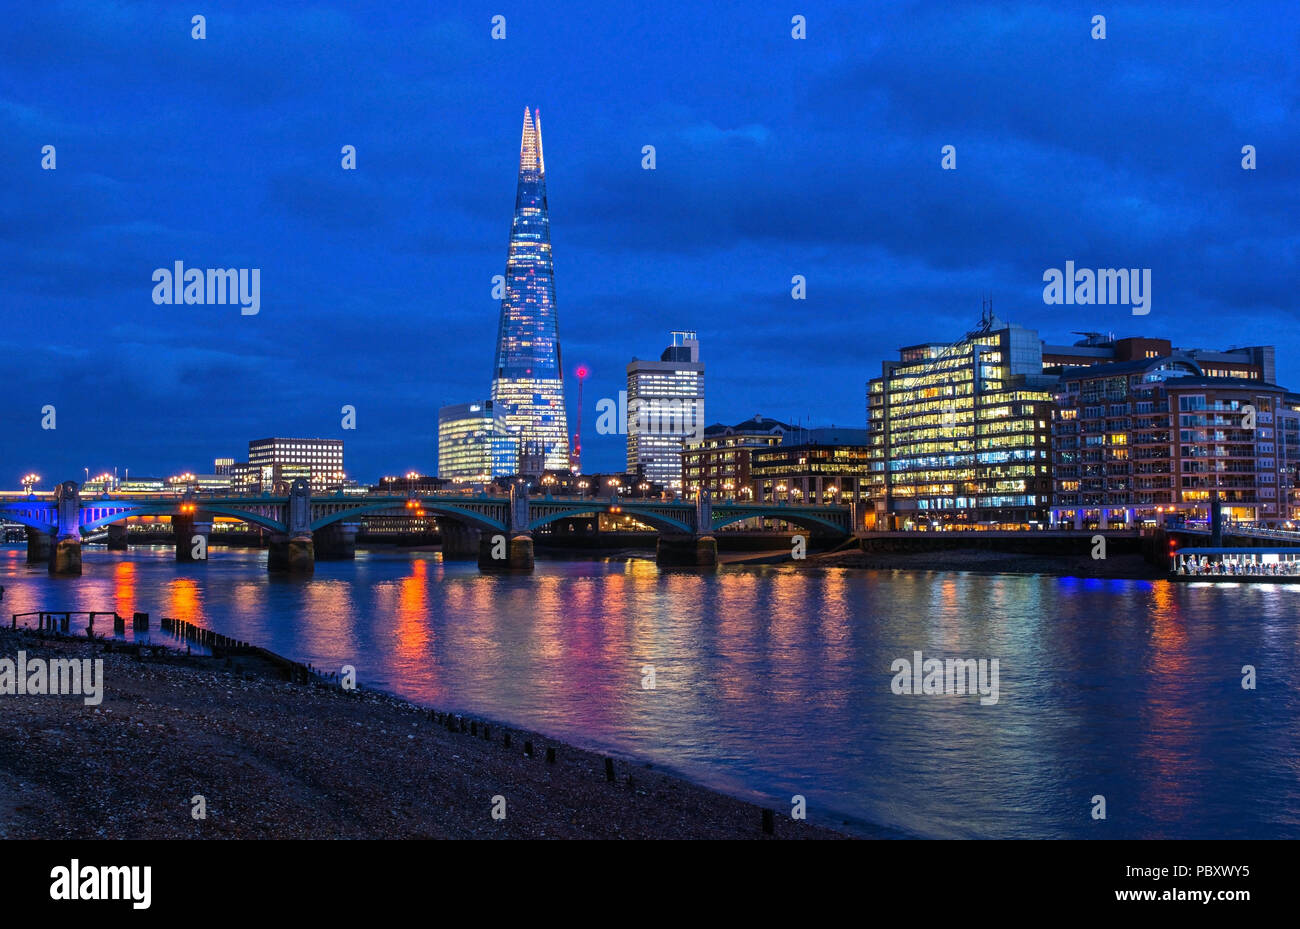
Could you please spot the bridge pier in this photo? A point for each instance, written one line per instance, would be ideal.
(191, 538)
(499, 552)
(336, 542)
(39, 546)
(117, 537)
(686, 551)
(291, 555)
(459, 541)
(294, 552)
(65, 559)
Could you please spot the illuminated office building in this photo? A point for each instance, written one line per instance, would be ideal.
(279, 462)
(473, 443)
(820, 466)
(665, 406)
(960, 432)
(718, 462)
(528, 377)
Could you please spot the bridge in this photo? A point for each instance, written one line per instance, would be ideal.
(303, 528)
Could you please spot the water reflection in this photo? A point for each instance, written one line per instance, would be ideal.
(770, 681)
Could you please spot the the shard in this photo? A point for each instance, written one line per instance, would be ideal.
(528, 379)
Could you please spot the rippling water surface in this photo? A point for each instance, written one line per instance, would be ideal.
(772, 682)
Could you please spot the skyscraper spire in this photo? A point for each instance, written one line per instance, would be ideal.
(528, 379)
(530, 147)
(541, 161)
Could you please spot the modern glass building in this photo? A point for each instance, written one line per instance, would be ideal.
(473, 443)
(665, 406)
(961, 433)
(528, 378)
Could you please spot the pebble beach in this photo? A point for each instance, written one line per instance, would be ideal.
(273, 759)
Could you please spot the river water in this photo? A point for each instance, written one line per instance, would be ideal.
(771, 681)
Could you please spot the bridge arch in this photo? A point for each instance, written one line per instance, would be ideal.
(459, 513)
(28, 518)
(650, 518)
(806, 520)
(172, 509)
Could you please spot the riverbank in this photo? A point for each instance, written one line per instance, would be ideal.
(279, 760)
(1120, 566)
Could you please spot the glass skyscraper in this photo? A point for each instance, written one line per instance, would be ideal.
(473, 444)
(528, 378)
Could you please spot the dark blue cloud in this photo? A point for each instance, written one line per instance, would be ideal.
(775, 157)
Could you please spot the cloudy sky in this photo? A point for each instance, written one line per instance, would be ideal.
(775, 157)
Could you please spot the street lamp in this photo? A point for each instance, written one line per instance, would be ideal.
(30, 481)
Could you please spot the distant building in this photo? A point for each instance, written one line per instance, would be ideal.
(719, 462)
(961, 432)
(280, 461)
(245, 479)
(143, 485)
(223, 465)
(665, 404)
(819, 466)
(1254, 363)
(201, 483)
(1138, 439)
(411, 484)
(1288, 442)
(474, 444)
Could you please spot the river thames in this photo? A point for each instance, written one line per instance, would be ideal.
(775, 681)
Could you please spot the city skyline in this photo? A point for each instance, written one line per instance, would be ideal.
(369, 300)
(917, 458)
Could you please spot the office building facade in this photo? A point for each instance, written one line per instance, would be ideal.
(814, 466)
(719, 462)
(1138, 440)
(474, 443)
(960, 433)
(665, 406)
(279, 461)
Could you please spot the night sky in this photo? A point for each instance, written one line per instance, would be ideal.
(775, 157)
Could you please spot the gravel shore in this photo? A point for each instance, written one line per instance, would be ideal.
(278, 760)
